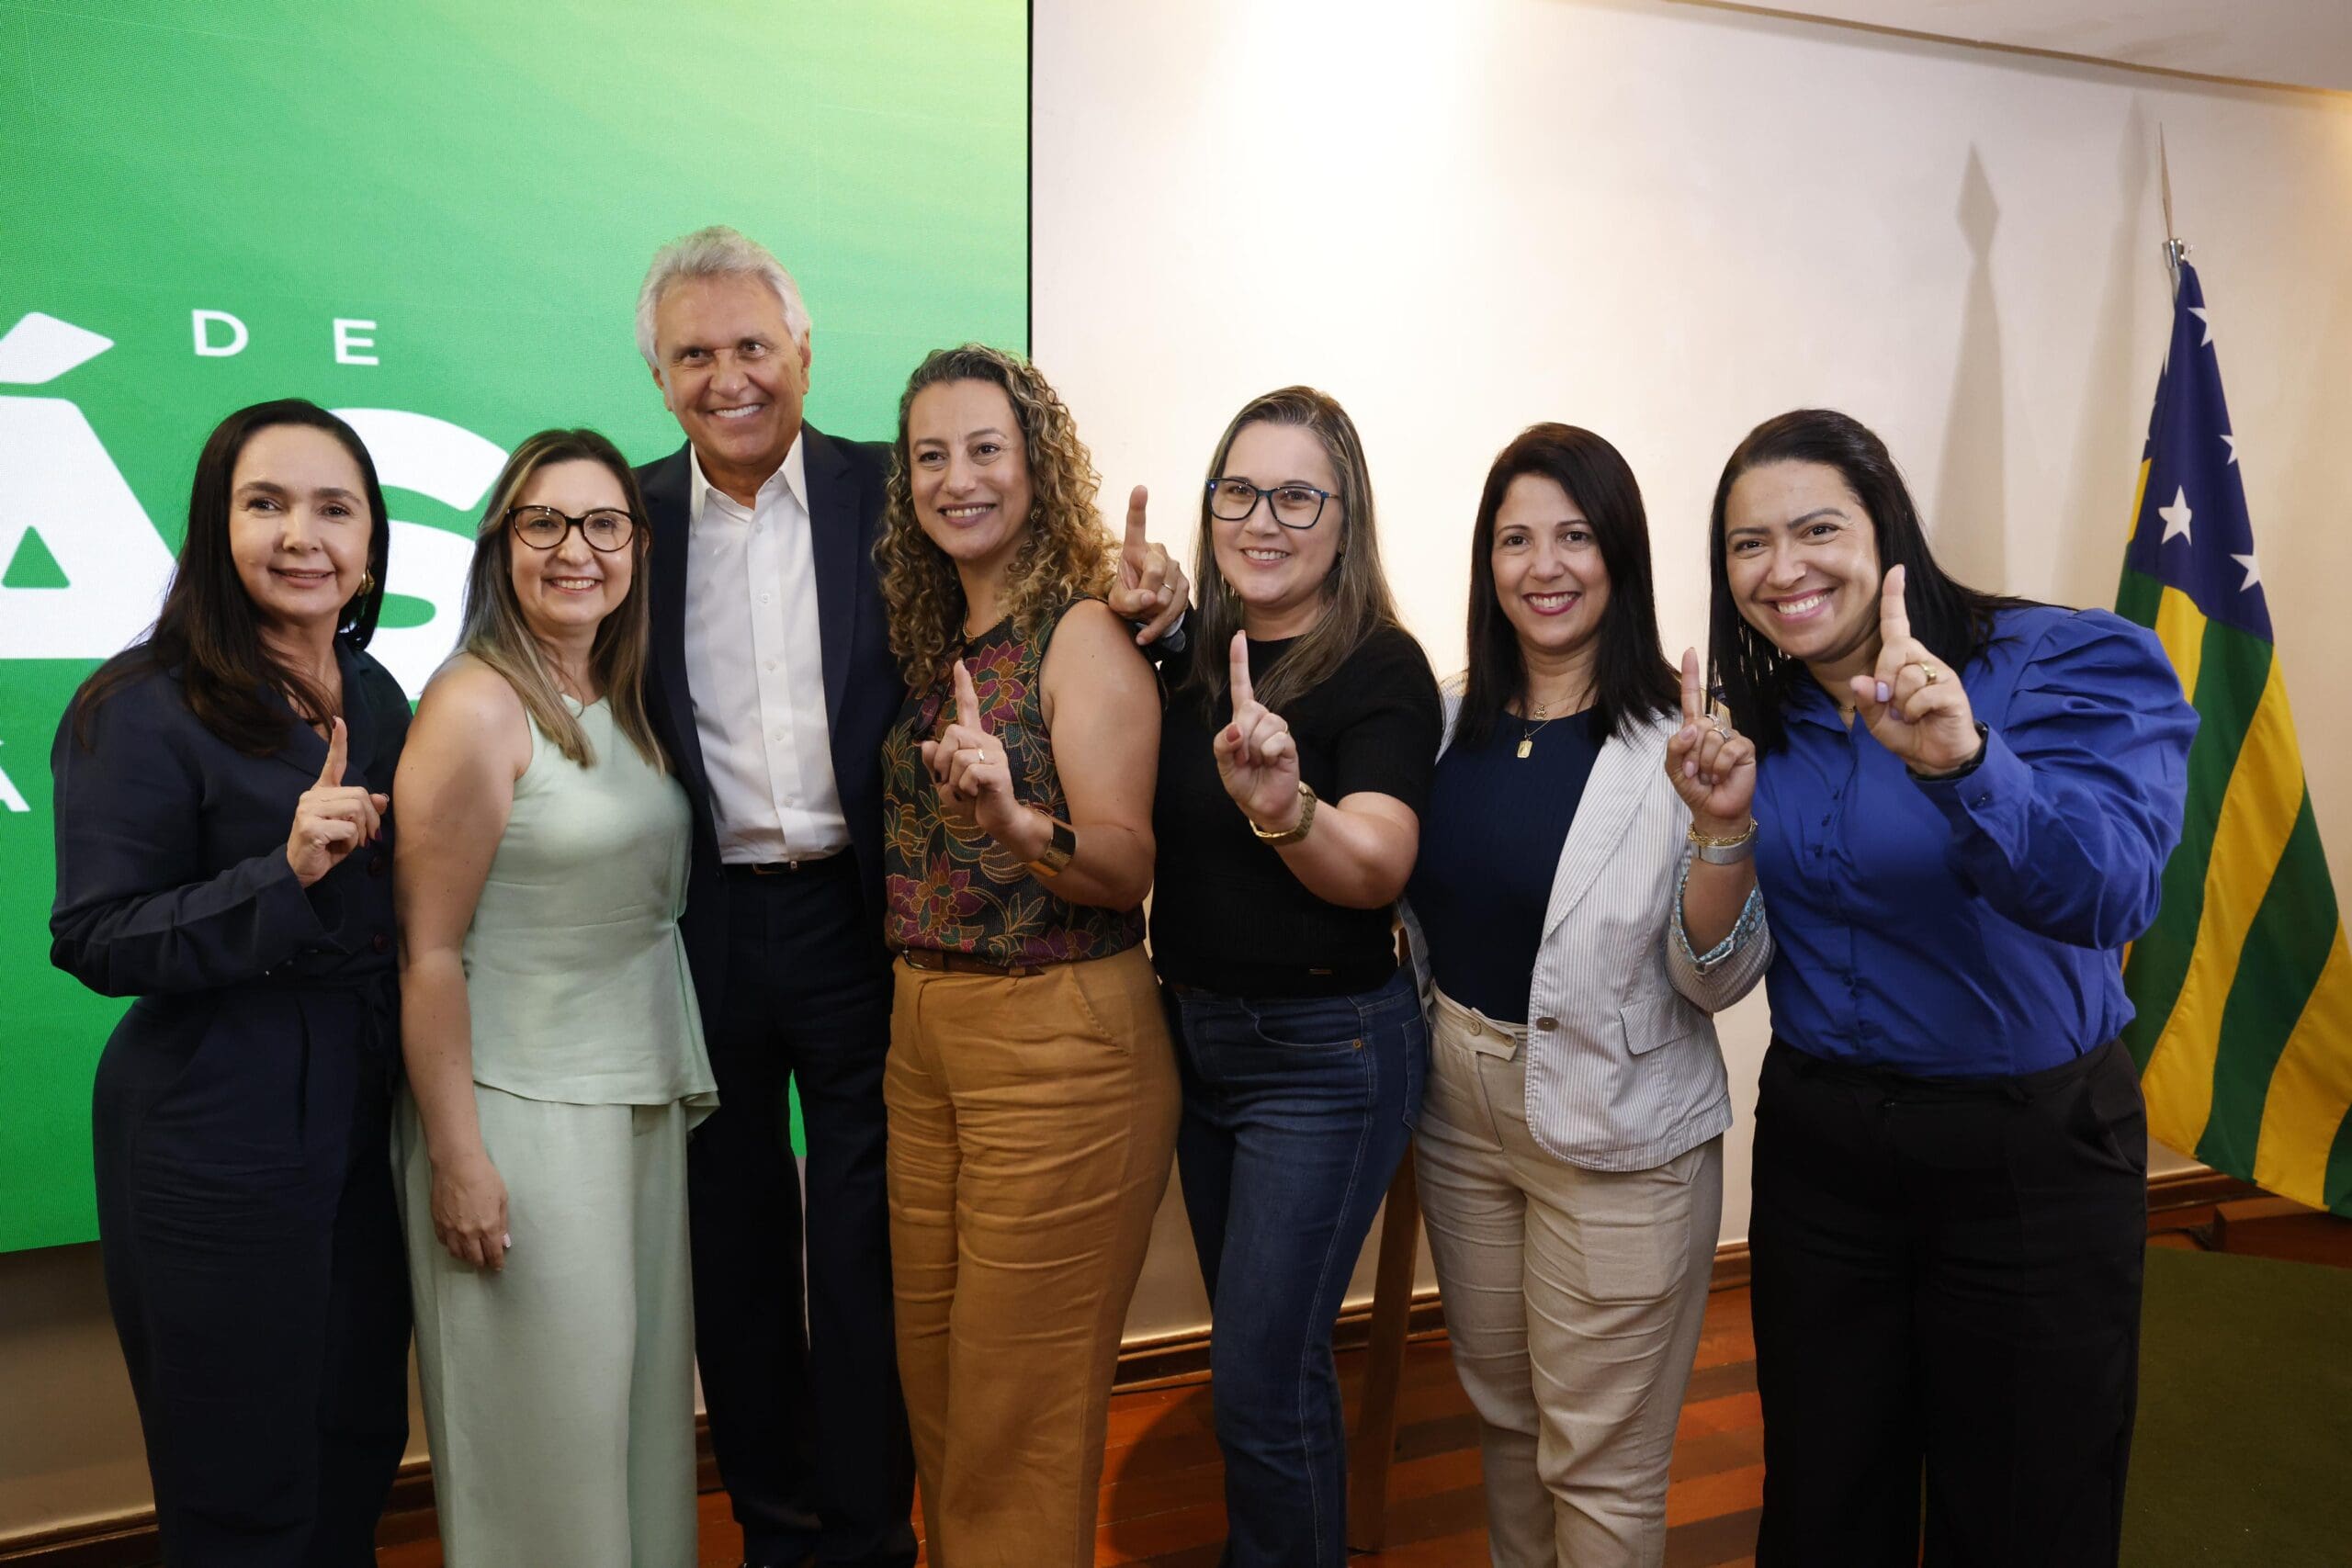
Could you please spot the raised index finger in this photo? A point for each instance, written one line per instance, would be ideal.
(338, 749)
(1695, 696)
(1137, 544)
(967, 699)
(1893, 615)
(1242, 695)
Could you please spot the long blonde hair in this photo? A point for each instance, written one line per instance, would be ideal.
(1066, 552)
(495, 631)
(1356, 588)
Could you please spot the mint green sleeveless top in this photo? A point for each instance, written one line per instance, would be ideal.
(576, 973)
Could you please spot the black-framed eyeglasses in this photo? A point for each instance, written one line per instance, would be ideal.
(606, 529)
(1292, 506)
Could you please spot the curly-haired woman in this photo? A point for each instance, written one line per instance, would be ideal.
(1031, 1084)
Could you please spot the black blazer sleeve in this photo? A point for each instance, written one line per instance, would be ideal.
(144, 906)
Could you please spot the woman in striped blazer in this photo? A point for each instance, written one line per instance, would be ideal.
(1570, 1149)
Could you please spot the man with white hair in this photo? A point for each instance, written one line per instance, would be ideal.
(772, 684)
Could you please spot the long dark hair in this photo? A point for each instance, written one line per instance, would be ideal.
(495, 631)
(1952, 619)
(1630, 678)
(1356, 587)
(207, 629)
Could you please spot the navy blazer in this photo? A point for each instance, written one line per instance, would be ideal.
(862, 687)
(173, 884)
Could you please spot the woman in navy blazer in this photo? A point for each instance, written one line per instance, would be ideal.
(222, 855)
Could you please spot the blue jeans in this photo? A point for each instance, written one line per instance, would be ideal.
(1295, 1115)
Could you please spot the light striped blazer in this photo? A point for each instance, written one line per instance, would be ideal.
(1623, 1070)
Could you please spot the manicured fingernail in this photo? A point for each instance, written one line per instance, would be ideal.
(1882, 692)
(1689, 770)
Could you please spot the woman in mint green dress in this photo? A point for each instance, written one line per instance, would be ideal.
(555, 1059)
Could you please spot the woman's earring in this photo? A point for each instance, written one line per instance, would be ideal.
(366, 584)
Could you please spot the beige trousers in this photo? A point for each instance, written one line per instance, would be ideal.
(1573, 1299)
(1033, 1122)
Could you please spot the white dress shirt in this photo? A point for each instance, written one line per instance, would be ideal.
(755, 668)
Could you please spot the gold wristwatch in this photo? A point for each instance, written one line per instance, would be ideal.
(1061, 848)
(1289, 835)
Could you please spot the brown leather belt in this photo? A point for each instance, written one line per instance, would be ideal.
(931, 958)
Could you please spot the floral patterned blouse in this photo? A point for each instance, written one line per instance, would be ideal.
(953, 888)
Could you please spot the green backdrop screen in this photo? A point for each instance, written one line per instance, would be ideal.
(433, 217)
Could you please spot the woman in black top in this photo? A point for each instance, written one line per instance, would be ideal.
(1295, 759)
(223, 849)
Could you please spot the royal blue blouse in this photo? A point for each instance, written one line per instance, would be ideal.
(1969, 927)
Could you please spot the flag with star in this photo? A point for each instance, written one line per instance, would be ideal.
(2242, 987)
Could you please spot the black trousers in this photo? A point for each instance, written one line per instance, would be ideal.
(800, 1374)
(1947, 1286)
(254, 1266)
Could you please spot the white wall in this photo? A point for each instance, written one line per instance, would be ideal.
(1666, 222)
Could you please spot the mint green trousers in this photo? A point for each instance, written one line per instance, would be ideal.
(559, 1391)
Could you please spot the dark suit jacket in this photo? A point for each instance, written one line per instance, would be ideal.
(173, 884)
(862, 689)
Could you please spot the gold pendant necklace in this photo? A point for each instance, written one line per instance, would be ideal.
(1527, 733)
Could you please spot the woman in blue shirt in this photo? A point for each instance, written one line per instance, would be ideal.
(1963, 807)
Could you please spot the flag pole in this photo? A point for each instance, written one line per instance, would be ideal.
(2175, 250)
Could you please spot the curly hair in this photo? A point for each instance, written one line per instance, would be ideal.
(1066, 550)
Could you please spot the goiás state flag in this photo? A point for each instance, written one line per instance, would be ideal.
(2244, 990)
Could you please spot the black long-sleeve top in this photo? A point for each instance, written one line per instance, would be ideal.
(173, 884)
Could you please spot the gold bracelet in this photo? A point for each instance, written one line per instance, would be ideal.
(1709, 841)
(1293, 834)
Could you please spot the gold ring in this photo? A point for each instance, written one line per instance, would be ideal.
(1930, 672)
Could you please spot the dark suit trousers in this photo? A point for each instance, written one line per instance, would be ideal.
(808, 1426)
(1947, 1296)
(255, 1268)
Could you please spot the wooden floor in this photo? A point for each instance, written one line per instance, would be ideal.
(1160, 1493)
(1161, 1500)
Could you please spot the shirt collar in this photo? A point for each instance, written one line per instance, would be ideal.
(792, 479)
(1808, 701)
